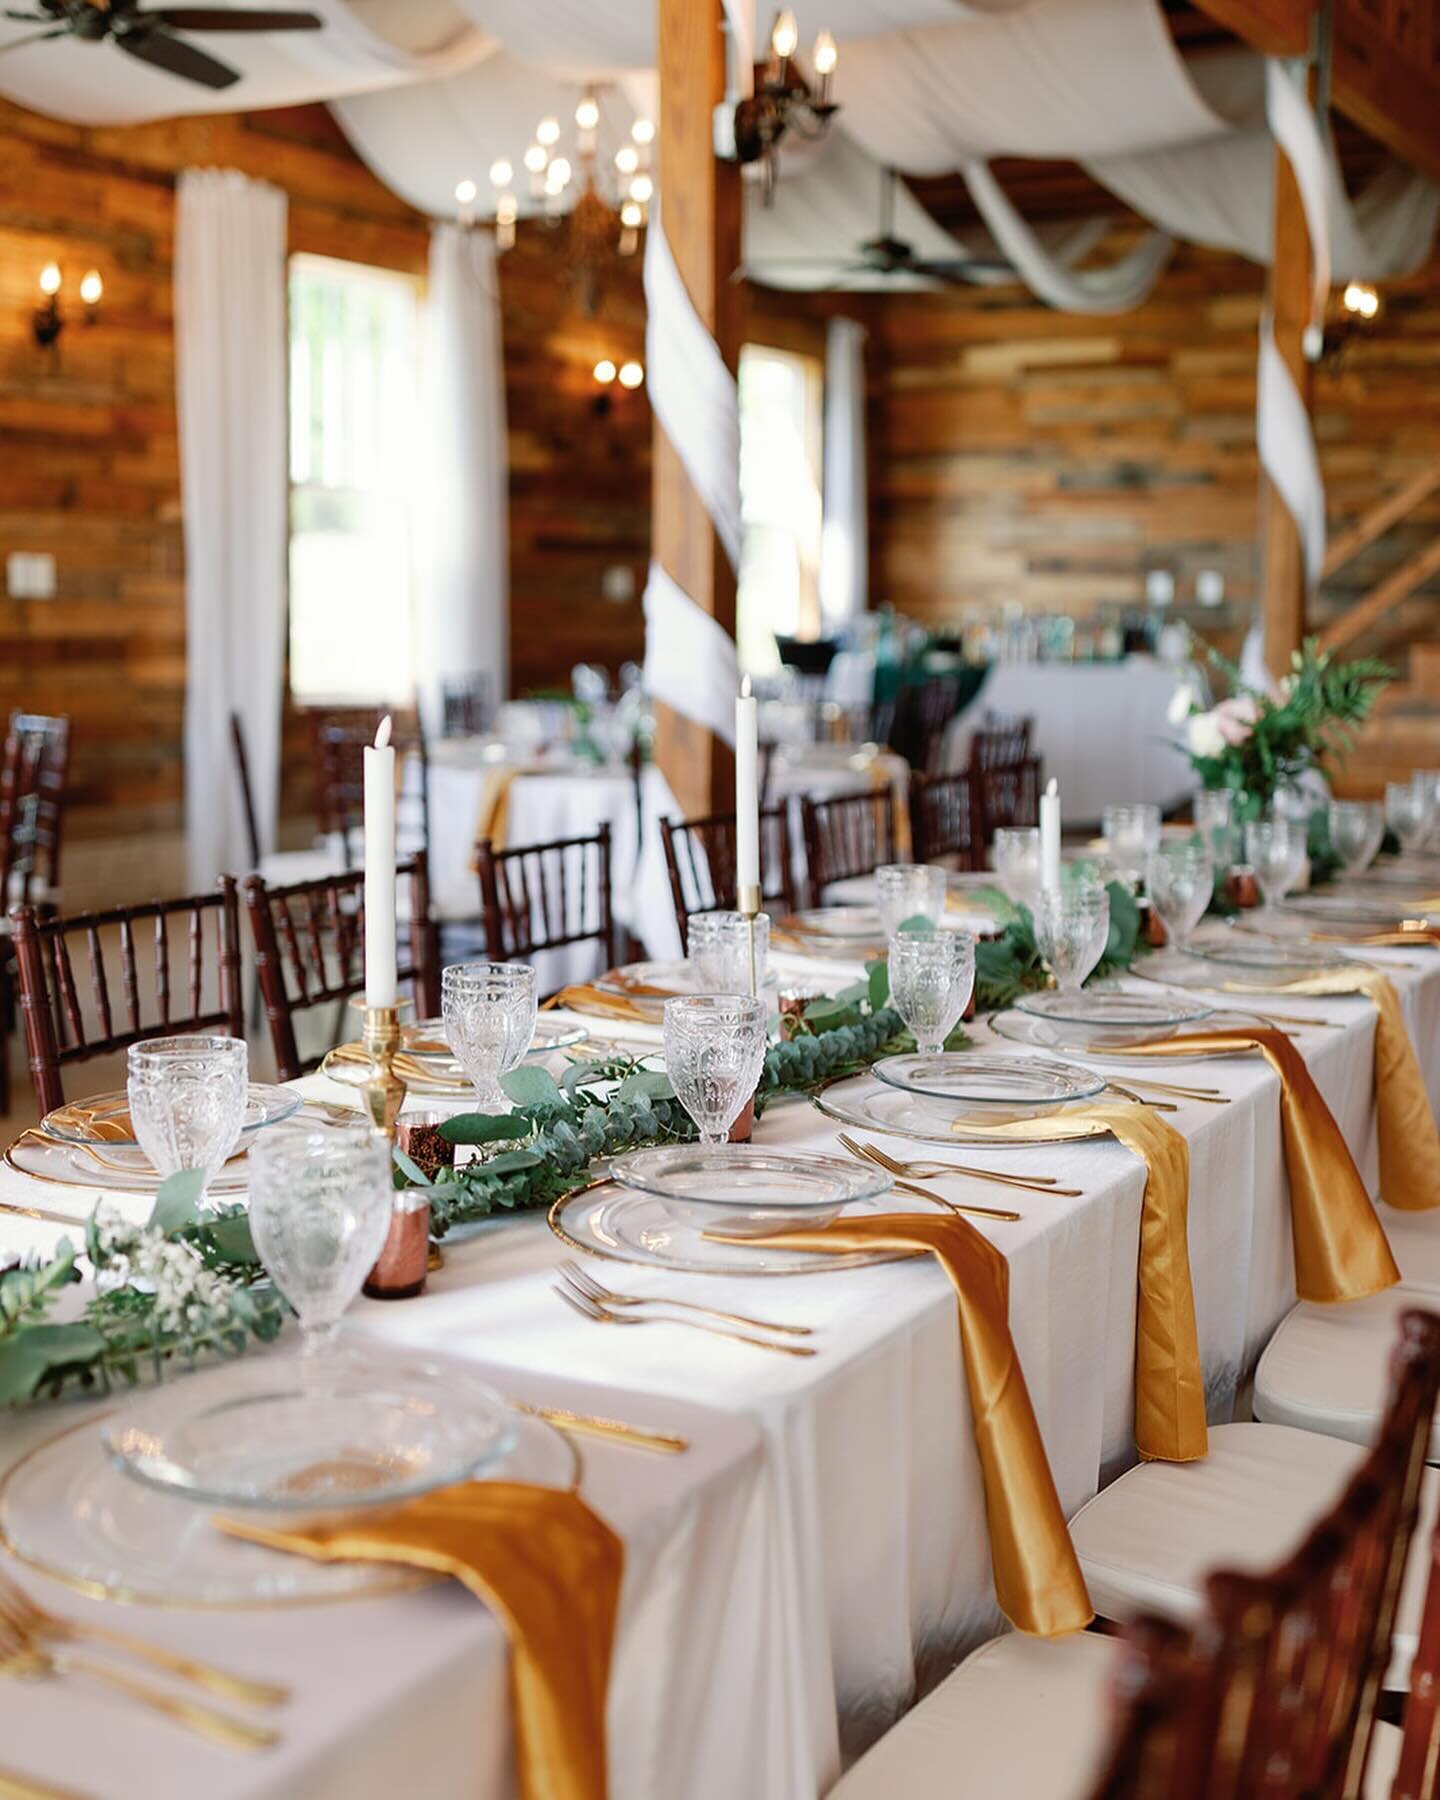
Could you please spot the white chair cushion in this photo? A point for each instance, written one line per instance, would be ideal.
(1149, 1540)
(1415, 1239)
(1326, 1368)
(1022, 1717)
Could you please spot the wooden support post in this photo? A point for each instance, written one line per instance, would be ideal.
(700, 207)
(1283, 594)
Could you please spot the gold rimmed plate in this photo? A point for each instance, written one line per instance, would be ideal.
(872, 1105)
(104, 1119)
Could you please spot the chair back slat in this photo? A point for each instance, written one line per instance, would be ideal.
(700, 862)
(538, 897)
(309, 951)
(57, 1029)
(999, 743)
(339, 737)
(467, 704)
(1008, 795)
(847, 835)
(1275, 1691)
(945, 821)
(923, 710)
(34, 773)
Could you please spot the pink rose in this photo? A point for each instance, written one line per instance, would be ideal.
(1235, 719)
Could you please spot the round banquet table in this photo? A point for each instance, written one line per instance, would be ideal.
(822, 1547)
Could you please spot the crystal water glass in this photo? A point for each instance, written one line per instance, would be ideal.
(1409, 812)
(714, 1052)
(720, 948)
(1428, 781)
(489, 1013)
(1132, 832)
(1294, 806)
(1269, 849)
(1357, 829)
(1215, 822)
(320, 1206)
(1180, 879)
(187, 1101)
(1015, 858)
(931, 978)
(1072, 928)
(909, 891)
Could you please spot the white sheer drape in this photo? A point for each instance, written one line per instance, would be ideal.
(230, 332)
(464, 568)
(844, 538)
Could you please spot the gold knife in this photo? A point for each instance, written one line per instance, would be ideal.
(638, 1437)
(21, 1787)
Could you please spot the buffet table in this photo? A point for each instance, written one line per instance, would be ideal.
(824, 1539)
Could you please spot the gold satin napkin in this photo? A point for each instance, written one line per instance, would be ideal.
(1405, 1124)
(1169, 1383)
(598, 1003)
(1341, 1252)
(547, 1567)
(1383, 940)
(1037, 1574)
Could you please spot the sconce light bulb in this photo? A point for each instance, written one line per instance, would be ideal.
(643, 131)
(642, 188)
(50, 279)
(784, 35)
(632, 215)
(826, 54)
(547, 132)
(631, 375)
(465, 193)
(535, 159)
(605, 371)
(502, 172)
(91, 287)
(587, 113)
(557, 175)
(627, 159)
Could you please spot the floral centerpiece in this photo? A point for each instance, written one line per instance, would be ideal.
(1259, 741)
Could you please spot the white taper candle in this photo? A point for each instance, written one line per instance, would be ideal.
(747, 793)
(380, 869)
(1050, 836)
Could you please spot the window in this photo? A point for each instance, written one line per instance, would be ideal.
(354, 385)
(781, 418)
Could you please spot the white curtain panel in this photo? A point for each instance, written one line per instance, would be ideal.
(465, 573)
(230, 378)
(844, 538)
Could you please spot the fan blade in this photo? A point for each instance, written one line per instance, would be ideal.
(217, 18)
(35, 37)
(961, 266)
(175, 57)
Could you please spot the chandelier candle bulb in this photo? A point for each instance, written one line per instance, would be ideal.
(747, 801)
(380, 870)
(826, 58)
(1050, 836)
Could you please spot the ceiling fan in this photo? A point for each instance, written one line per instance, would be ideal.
(149, 36)
(888, 254)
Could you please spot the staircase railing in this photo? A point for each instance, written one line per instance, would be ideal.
(1401, 582)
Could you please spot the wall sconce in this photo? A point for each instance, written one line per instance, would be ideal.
(47, 321)
(629, 374)
(1358, 308)
(783, 102)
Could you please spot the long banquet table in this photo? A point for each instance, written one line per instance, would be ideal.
(823, 1544)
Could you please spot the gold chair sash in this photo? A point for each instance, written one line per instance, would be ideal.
(550, 1571)
(1341, 1252)
(1405, 1123)
(1037, 1574)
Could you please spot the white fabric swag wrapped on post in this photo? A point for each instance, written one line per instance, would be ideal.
(231, 361)
(844, 531)
(464, 624)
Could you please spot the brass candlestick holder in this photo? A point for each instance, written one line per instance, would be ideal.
(385, 1090)
(748, 904)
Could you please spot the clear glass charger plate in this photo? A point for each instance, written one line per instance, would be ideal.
(1048, 1034)
(105, 1118)
(335, 1429)
(745, 1187)
(1114, 1015)
(68, 1512)
(1376, 912)
(623, 1225)
(860, 923)
(1174, 968)
(1262, 961)
(425, 1040)
(990, 1089)
(874, 1105)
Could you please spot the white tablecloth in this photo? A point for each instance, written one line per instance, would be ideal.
(1100, 728)
(858, 1551)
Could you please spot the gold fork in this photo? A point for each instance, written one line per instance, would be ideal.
(864, 1154)
(23, 1659)
(30, 1621)
(601, 1315)
(586, 1284)
(1035, 1184)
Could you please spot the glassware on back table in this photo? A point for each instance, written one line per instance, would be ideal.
(1409, 812)
(1215, 822)
(1072, 928)
(187, 1100)
(1131, 832)
(1428, 781)
(909, 891)
(1357, 829)
(931, 978)
(1269, 848)
(1294, 806)
(720, 950)
(1180, 879)
(1015, 858)
(489, 1021)
(714, 1053)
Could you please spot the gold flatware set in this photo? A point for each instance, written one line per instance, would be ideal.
(633, 1310)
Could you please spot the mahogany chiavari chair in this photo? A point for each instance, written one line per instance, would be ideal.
(846, 835)
(700, 861)
(33, 773)
(999, 743)
(1007, 795)
(1271, 1693)
(310, 952)
(945, 821)
(923, 710)
(538, 897)
(338, 738)
(58, 1029)
(467, 704)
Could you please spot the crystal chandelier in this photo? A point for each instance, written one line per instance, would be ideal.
(600, 210)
